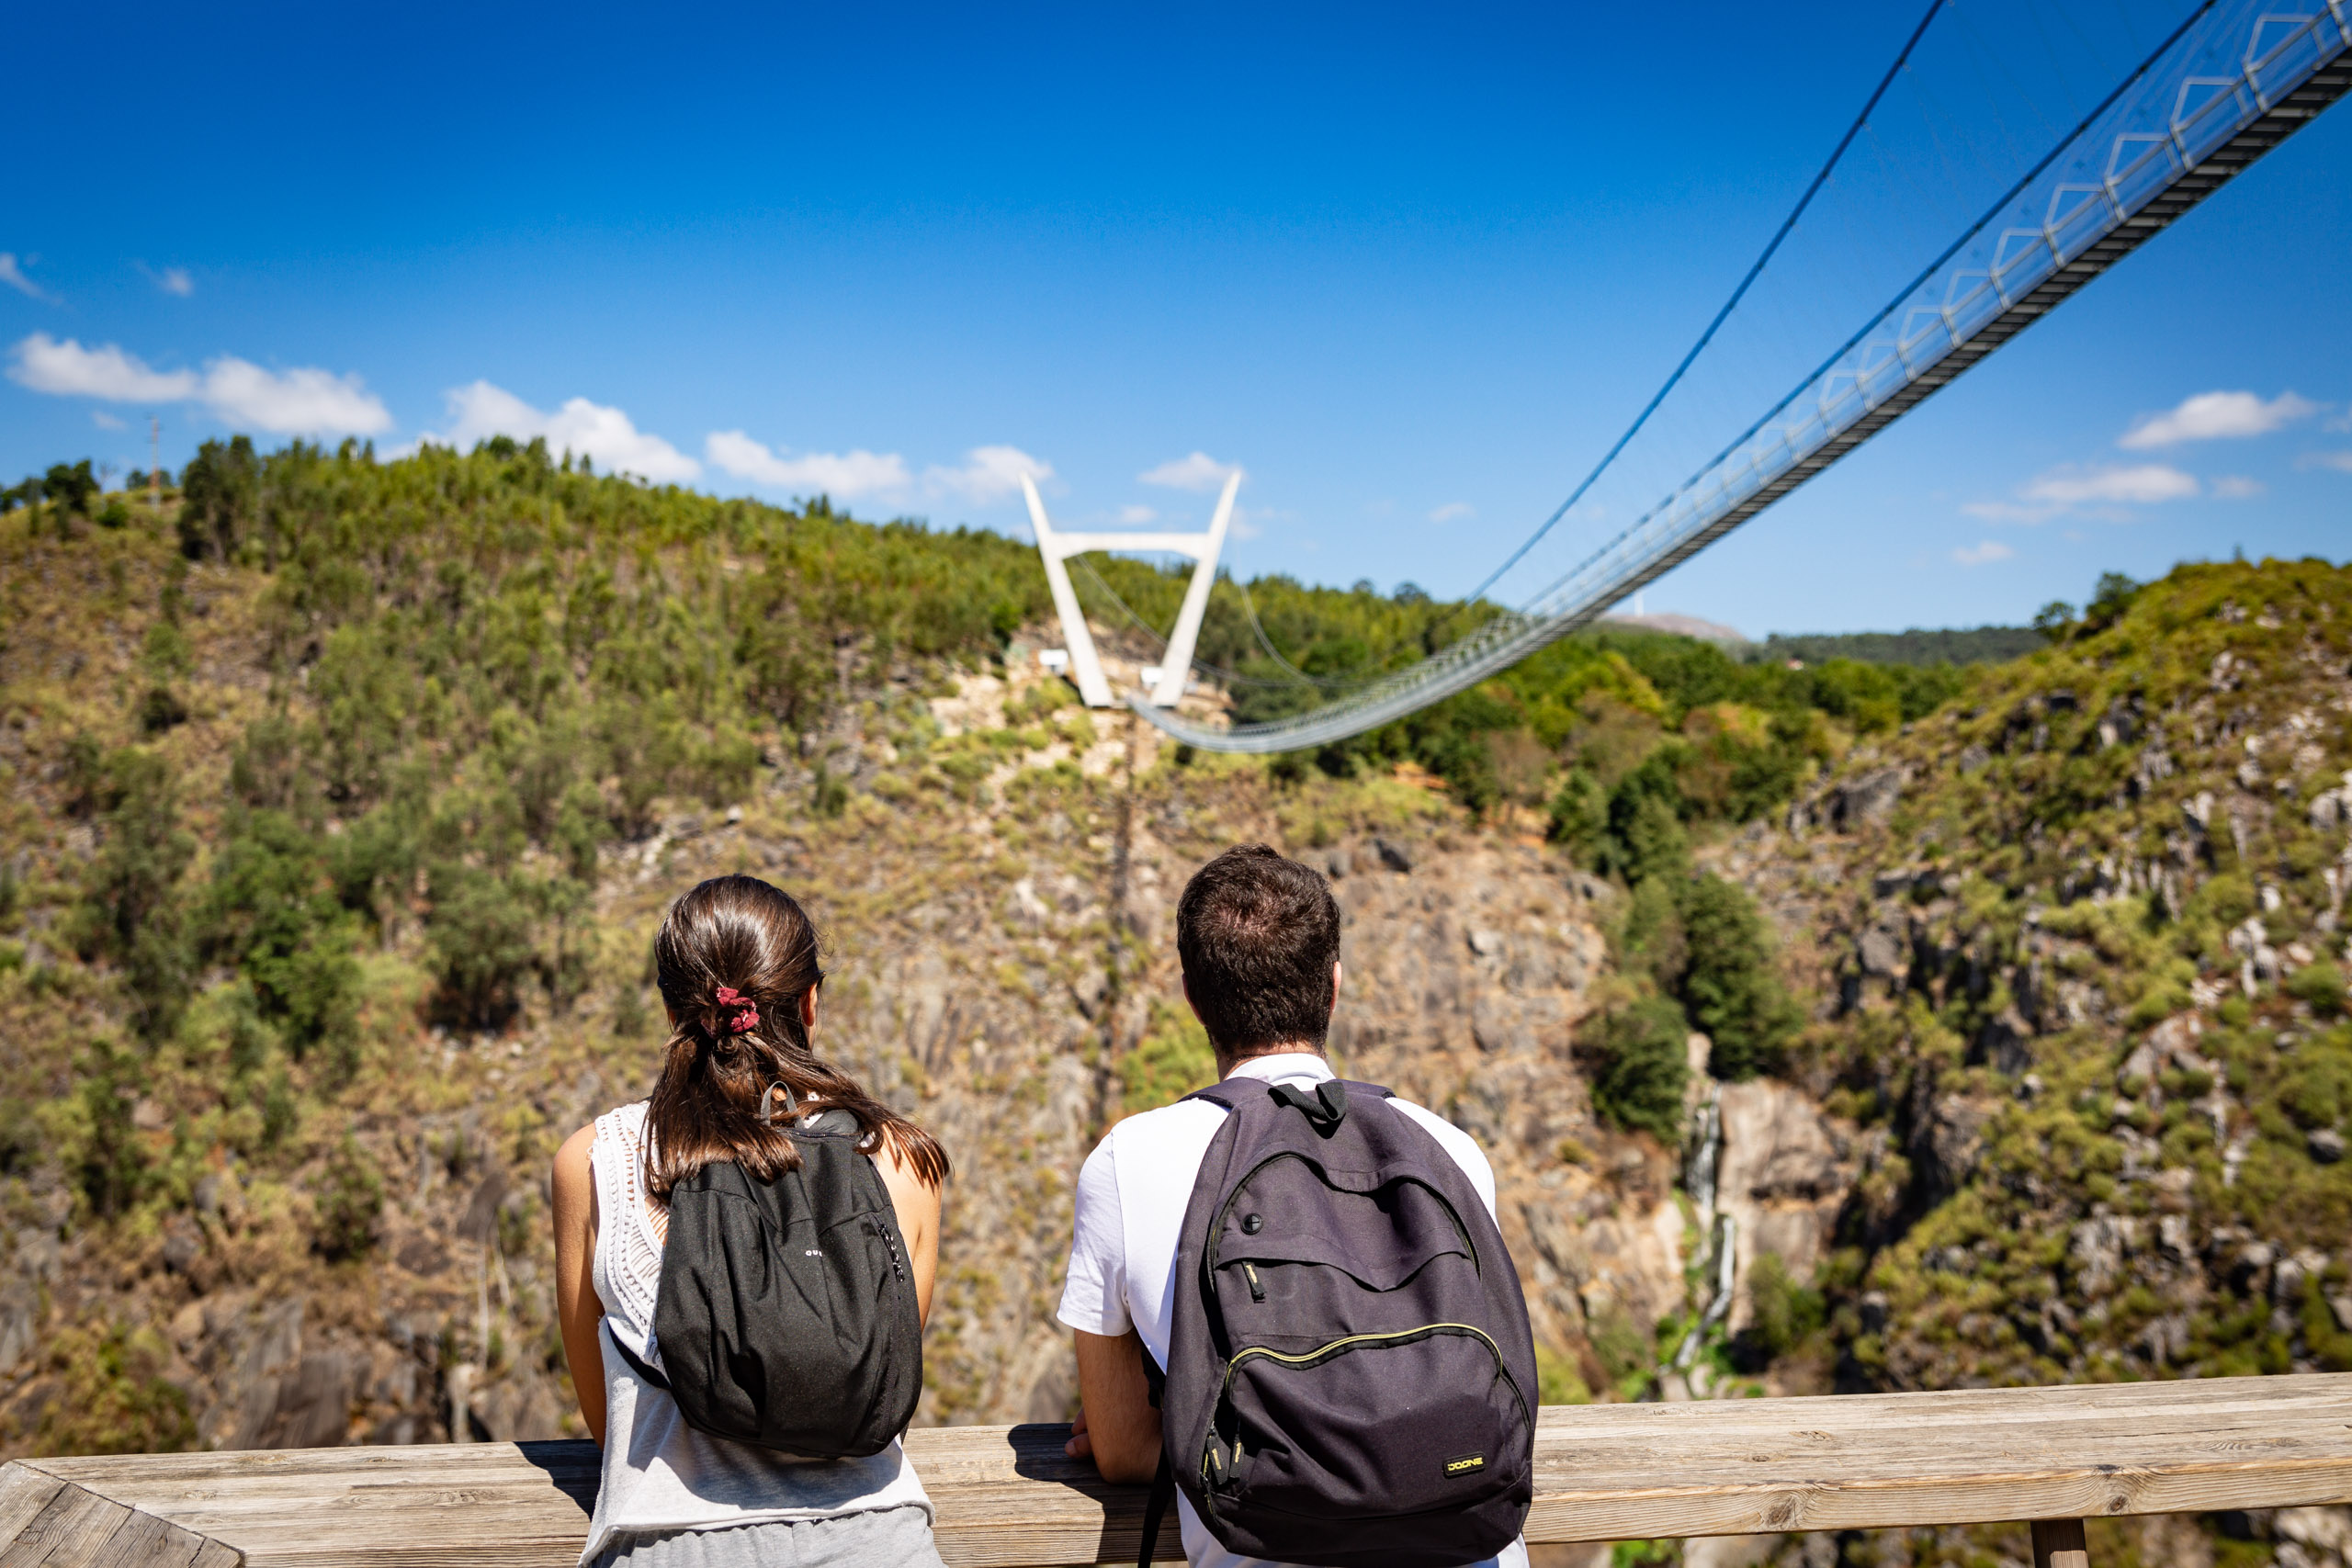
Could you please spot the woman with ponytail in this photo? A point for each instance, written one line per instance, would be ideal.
(738, 965)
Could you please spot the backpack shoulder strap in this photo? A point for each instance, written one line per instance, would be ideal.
(1226, 1093)
(1230, 1092)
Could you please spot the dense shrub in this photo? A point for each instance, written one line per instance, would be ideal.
(1729, 982)
(2319, 987)
(482, 933)
(272, 910)
(349, 1200)
(219, 493)
(1639, 1066)
(132, 913)
(114, 1395)
(109, 1164)
(1783, 1311)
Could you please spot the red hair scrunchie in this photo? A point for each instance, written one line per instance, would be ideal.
(745, 1021)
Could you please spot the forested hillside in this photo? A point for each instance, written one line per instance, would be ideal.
(1992, 1016)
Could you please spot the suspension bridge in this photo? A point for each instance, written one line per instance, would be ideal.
(2226, 84)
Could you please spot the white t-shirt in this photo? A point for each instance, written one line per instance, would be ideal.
(1132, 1195)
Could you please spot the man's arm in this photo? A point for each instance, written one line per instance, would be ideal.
(1117, 1427)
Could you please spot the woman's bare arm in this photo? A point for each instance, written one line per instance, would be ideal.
(917, 1203)
(578, 1310)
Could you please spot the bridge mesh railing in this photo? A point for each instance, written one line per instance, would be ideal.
(2225, 68)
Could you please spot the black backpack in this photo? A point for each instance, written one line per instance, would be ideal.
(1350, 1377)
(787, 1314)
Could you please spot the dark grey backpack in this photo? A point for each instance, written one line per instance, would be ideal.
(1350, 1377)
(787, 1314)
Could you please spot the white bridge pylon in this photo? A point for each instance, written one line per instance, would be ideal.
(1176, 664)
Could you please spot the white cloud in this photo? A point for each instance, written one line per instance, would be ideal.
(1453, 510)
(1135, 516)
(2237, 486)
(14, 277)
(2008, 511)
(2072, 488)
(846, 475)
(988, 475)
(2340, 424)
(1198, 471)
(106, 421)
(67, 369)
(175, 280)
(2141, 486)
(480, 411)
(2213, 417)
(1983, 554)
(2340, 461)
(301, 401)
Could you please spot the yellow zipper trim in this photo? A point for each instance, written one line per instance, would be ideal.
(1225, 1392)
(1356, 1339)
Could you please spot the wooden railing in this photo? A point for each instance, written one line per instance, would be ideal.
(1006, 1495)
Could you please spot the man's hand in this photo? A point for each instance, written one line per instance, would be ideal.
(1118, 1430)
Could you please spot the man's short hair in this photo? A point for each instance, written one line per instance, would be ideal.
(1257, 935)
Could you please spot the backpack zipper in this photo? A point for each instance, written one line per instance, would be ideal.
(1225, 1393)
(890, 1245)
(1216, 1229)
(1257, 1289)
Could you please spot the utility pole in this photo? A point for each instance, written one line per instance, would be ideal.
(155, 464)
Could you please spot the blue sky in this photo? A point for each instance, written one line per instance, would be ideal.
(1412, 270)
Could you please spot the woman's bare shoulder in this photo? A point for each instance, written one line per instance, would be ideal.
(892, 1155)
(571, 1157)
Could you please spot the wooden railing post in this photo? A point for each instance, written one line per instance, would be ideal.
(2059, 1543)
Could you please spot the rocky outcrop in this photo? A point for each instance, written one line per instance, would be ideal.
(1783, 1177)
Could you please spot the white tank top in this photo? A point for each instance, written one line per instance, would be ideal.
(660, 1473)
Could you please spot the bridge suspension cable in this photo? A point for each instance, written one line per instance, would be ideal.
(2230, 83)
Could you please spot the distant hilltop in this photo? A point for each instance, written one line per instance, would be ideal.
(1683, 626)
(1974, 644)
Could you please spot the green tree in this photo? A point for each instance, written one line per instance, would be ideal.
(1640, 1067)
(1729, 982)
(1645, 836)
(2111, 598)
(219, 493)
(481, 932)
(2054, 620)
(272, 910)
(109, 1164)
(72, 486)
(132, 910)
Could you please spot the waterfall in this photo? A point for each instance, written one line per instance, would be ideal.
(1718, 1233)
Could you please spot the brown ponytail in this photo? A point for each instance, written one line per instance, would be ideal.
(740, 936)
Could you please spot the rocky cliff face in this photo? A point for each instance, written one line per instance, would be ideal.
(2070, 1101)
(995, 961)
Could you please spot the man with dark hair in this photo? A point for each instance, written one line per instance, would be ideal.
(1258, 936)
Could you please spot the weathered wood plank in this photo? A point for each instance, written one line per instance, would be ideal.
(142, 1540)
(67, 1532)
(1008, 1498)
(23, 1493)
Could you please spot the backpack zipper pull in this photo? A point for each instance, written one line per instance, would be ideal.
(1257, 1288)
